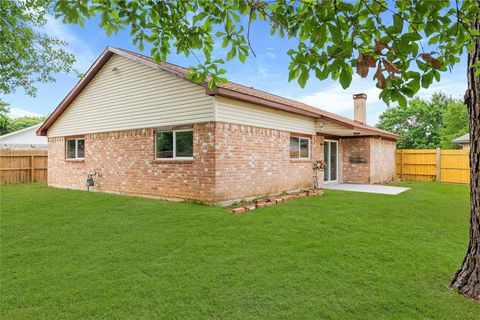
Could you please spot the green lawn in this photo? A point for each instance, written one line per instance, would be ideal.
(75, 255)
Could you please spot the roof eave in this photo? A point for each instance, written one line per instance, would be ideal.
(227, 93)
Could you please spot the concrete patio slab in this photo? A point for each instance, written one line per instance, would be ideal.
(369, 188)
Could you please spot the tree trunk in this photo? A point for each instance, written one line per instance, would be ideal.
(467, 279)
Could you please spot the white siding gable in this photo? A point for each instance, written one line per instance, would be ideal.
(239, 112)
(126, 94)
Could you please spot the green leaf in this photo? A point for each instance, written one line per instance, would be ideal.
(302, 79)
(414, 84)
(402, 101)
(335, 33)
(232, 53)
(427, 79)
(345, 78)
(398, 23)
(322, 74)
(241, 57)
(293, 74)
(411, 36)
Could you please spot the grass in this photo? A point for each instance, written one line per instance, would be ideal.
(75, 255)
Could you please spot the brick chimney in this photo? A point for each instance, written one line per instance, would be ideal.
(359, 108)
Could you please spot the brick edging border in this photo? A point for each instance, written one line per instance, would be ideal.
(267, 202)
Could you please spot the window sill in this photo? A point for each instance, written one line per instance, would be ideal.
(301, 160)
(173, 161)
(74, 160)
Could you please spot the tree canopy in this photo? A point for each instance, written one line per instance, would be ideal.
(23, 122)
(405, 43)
(28, 55)
(3, 117)
(8, 124)
(455, 124)
(426, 124)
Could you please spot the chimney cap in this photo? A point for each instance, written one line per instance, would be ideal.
(360, 96)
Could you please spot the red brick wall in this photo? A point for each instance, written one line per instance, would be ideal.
(380, 157)
(355, 148)
(230, 162)
(125, 159)
(253, 161)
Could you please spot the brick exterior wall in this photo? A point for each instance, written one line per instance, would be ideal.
(230, 162)
(379, 155)
(253, 161)
(382, 160)
(126, 162)
(355, 148)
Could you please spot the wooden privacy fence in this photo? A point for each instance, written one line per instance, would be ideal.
(18, 166)
(433, 165)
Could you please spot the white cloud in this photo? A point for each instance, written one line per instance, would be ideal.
(334, 99)
(337, 100)
(372, 117)
(261, 71)
(17, 113)
(456, 89)
(82, 51)
(270, 55)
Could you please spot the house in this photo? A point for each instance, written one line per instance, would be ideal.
(142, 128)
(463, 141)
(24, 139)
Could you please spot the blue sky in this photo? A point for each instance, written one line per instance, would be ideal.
(268, 71)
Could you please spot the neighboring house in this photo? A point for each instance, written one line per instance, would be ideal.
(24, 139)
(463, 141)
(144, 129)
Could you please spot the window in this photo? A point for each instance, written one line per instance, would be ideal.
(174, 144)
(299, 148)
(76, 148)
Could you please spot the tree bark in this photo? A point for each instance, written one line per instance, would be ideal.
(467, 279)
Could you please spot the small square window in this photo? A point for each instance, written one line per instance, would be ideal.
(75, 148)
(299, 148)
(174, 144)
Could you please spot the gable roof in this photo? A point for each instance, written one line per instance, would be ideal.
(230, 90)
(462, 139)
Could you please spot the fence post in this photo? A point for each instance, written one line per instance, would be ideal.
(31, 168)
(437, 165)
(401, 163)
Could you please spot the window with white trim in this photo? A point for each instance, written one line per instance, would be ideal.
(299, 148)
(75, 148)
(177, 144)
